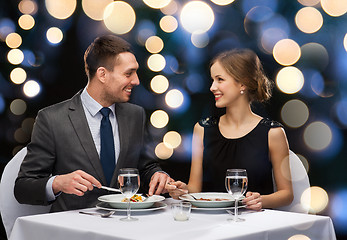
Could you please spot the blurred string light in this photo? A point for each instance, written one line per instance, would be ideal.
(27, 7)
(341, 111)
(294, 113)
(172, 139)
(309, 20)
(15, 56)
(309, 3)
(259, 14)
(334, 8)
(145, 29)
(315, 198)
(199, 39)
(119, 17)
(299, 237)
(168, 24)
(174, 98)
(157, 4)
(314, 55)
(31, 88)
(154, 44)
(162, 151)
(247, 5)
(171, 8)
(159, 84)
(314, 83)
(194, 82)
(171, 65)
(156, 62)
(290, 80)
(18, 75)
(95, 8)
(345, 42)
(26, 22)
(304, 162)
(222, 2)
(339, 210)
(18, 107)
(61, 9)
(7, 26)
(159, 119)
(286, 52)
(272, 31)
(13, 40)
(318, 136)
(197, 16)
(54, 35)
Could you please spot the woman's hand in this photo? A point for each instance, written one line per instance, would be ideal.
(253, 201)
(176, 189)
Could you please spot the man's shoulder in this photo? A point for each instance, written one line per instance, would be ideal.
(63, 105)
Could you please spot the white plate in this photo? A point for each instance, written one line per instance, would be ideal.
(155, 206)
(217, 208)
(115, 201)
(226, 202)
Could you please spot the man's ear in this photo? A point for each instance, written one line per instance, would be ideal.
(100, 74)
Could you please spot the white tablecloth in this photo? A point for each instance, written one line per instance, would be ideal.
(159, 224)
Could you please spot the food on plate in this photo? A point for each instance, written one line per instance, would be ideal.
(213, 199)
(134, 198)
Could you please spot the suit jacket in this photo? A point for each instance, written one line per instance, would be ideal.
(61, 143)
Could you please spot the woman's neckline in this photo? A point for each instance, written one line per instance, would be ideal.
(243, 136)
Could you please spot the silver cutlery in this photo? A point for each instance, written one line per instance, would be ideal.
(109, 188)
(103, 215)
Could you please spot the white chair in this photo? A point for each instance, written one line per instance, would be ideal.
(9, 207)
(301, 185)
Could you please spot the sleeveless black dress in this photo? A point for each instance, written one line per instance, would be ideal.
(250, 152)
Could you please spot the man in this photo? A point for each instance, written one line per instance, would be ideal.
(66, 156)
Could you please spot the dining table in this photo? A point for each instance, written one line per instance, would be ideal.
(159, 224)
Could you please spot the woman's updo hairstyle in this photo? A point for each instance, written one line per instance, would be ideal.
(245, 67)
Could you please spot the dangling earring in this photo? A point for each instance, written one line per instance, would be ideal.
(242, 92)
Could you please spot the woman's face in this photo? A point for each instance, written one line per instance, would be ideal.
(225, 89)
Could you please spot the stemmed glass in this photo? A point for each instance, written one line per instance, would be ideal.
(236, 183)
(129, 183)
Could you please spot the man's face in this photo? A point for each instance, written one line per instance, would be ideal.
(120, 82)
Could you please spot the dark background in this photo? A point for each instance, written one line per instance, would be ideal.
(60, 72)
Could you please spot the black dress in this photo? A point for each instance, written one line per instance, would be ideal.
(250, 152)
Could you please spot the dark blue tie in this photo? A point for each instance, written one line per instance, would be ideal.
(107, 150)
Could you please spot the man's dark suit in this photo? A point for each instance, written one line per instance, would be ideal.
(62, 143)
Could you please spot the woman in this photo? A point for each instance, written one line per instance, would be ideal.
(239, 138)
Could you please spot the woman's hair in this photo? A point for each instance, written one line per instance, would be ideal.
(245, 67)
(103, 52)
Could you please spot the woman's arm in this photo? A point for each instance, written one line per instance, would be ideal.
(195, 178)
(279, 156)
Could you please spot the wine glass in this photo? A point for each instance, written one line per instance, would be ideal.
(129, 183)
(236, 183)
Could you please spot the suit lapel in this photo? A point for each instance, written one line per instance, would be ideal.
(80, 124)
(123, 126)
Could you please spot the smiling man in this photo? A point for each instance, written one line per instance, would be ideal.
(84, 141)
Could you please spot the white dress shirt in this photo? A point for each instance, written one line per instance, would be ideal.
(91, 110)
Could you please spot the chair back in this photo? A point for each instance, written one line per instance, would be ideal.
(9, 207)
(300, 183)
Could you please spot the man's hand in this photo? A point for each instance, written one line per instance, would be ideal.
(176, 189)
(77, 182)
(158, 183)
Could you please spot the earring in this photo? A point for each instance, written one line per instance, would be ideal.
(242, 92)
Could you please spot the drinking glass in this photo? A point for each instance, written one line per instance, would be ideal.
(236, 183)
(129, 183)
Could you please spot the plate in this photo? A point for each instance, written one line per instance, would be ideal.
(217, 200)
(115, 201)
(217, 208)
(155, 206)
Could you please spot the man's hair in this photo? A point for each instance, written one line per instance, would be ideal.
(103, 52)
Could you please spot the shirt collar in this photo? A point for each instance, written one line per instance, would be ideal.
(91, 105)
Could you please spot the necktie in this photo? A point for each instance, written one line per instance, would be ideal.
(107, 150)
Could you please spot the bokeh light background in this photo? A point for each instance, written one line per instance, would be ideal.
(302, 44)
